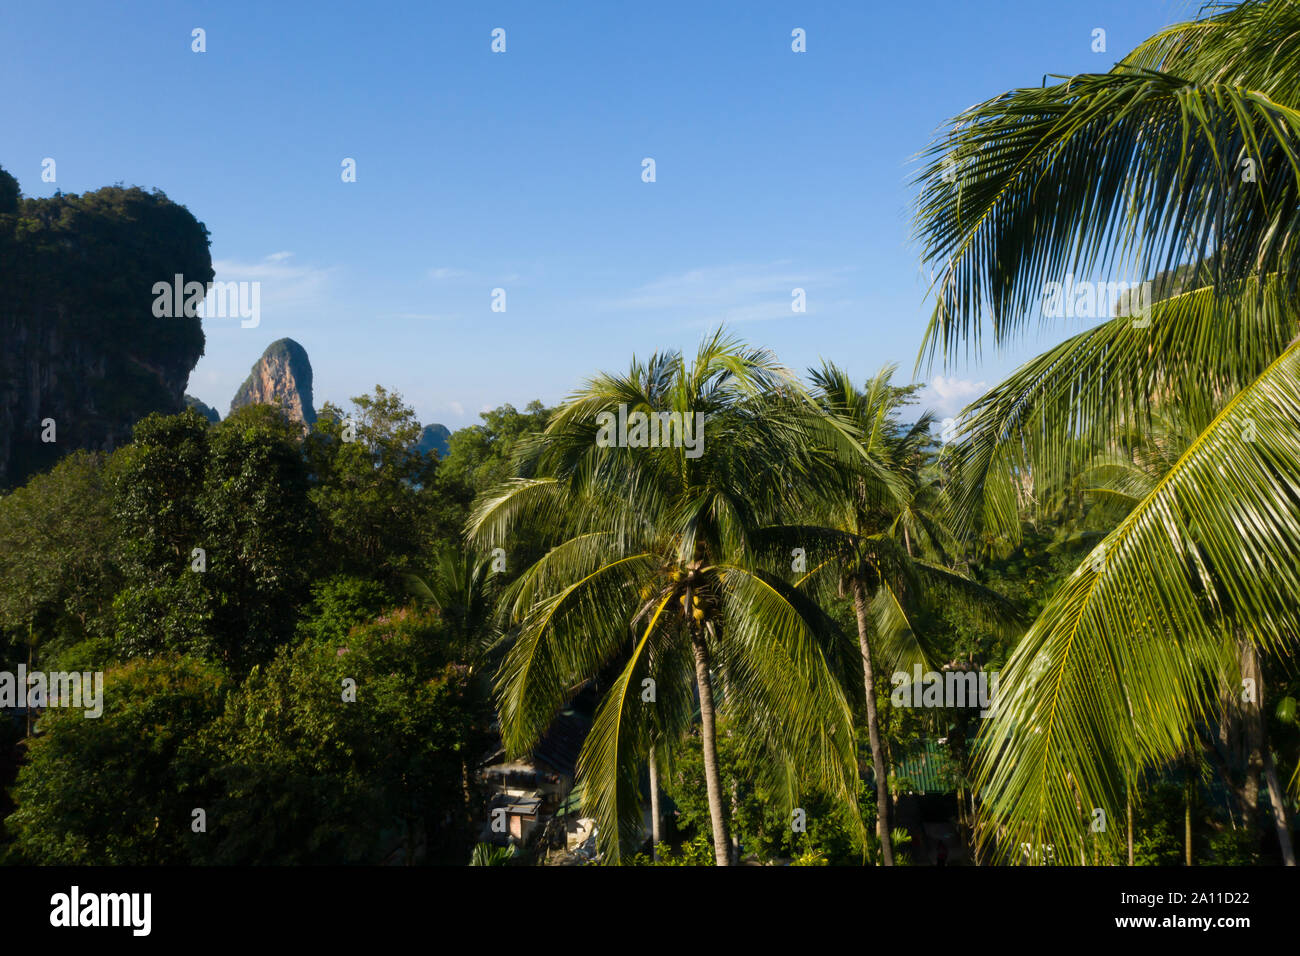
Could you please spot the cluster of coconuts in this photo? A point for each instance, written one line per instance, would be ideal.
(692, 603)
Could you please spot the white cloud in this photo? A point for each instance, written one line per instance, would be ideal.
(282, 284)
(447, 273)
(948, 396)
(732, 293)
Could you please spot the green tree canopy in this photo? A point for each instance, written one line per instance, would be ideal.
(120, 789)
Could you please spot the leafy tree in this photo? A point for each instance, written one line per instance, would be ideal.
(463, 588)
(57, 552)
(310, 776)
(820, 826)
(485, 854)
(258, 531)
(340, 604)
(237, 493)
(120, 789)
(156, 485)
(377, 494)
(483, 455)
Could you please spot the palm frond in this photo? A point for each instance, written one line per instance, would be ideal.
(1051, 416)
(1103, 176)
(563, 640)
(783, 660)
(609, 766)
(1127, 656)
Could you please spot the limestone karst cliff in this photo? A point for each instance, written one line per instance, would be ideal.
(282, 376)
(434, 438)
(207, 411)
(80, 345)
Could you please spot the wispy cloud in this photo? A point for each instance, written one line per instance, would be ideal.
(283, 283)
(452, 274)
(948, 396)
(733, 293)
(423, 316)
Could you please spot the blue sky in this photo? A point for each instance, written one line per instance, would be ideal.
(522, 170)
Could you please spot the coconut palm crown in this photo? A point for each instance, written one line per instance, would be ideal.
(651, 573)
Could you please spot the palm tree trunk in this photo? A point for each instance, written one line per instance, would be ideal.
(712, 782)
(654, 806)
(873, 726)
(1187, 820)
(1254, 722)
(1275, 797)
(1261, 758)
(735, 810)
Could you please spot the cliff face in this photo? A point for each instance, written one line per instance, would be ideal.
(207, 411)
(282, 376)
(79, 341)
(434, 438)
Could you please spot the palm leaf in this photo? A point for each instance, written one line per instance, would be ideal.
(1112, 176)
(1048, 419)
(1128, 655)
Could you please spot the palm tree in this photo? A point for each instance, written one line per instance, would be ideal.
(485, 854)
(654, 547)
(1182, 160)
(886, 543)
(463, 589)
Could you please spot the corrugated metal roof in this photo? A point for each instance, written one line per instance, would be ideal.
(925, 769)
(562, 742)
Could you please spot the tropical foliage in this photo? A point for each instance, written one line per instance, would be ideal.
(1183, 155)
(679, 618)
